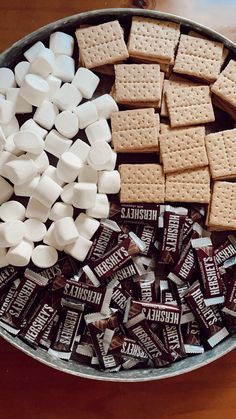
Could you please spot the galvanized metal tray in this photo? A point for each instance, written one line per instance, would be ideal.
(9, 58)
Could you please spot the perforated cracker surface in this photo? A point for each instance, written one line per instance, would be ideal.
(223, 205)
(225, 85)
(221, 150)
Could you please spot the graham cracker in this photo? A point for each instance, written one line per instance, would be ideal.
(225, 51)
(153, 39)
(101, 44)
(189, 106)
(223, 206)
(225, 85)
(225, 106)
(221, 150)
(184, 149)
(199, 58)
(138, 83)
(166, 128)
(189, 186)
(142, 183)
(135, 130)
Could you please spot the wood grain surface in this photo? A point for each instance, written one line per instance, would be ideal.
(30, 390)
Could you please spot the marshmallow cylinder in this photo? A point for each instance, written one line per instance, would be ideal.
(20, 170)
(49, 238)
(112, 162)
(5, 157)
(109, 182)
(33, 51)
(85, 195)
(7, 79)
(56, 144)
(68, 167)
(34, 89)
(20, 104)
(21, 69)
(65, 231)
(7, 111)
(79, 249)
(105, 105)
(88, 174)
(98, 131)
(37, 210)
(6, 190)
(54, 84)
(51, 172)
(12, 210)
(31, 125)
(61, 43)
(101, 207)
(67, 97)
(44, 256)
(44, 63)
(11, 233)
(65, 68)
(86, 226)
(26, 189)
(20, 254)
(80, 149)
(35, 230)
(11, 147)
(61, 210)
(100, 155)
(86, 113)
(47, 191)
(11, 128)
(29, 141)
(46, 114)
(3, 258)
(41, 161)
(86, 82)
(67, 124)
(67, 194)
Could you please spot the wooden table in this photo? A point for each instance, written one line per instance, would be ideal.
(29, 390)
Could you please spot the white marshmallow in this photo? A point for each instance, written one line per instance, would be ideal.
(88, 174)
(6, 190)
(101, 207)
(86, 81)
(61, 210)
(67, 97)
(86, 226)
(21, 69)
(67, 194)
(26, 189)
(33, 51)
(45, 114)
(2, 138)
(44, 63)
(49, 238)
(31, 125)
(35, 230)
(86, 113)
(20, 170)
(41, 161)
(7, 111)
(47, 191)
(112, 163)
(11, 128)
(109, 181)
(37, 210)
(3, 259)
(67, 124)
(54, 85)
(34, 89)
(5, 157)
(65, 68)
(65, 231)
(105, 105)
(20, 254)
(80, 149)
(61, 43)
(11, 147)
(68, 167)
(11, 233)
(79, 249)
(7, 79)
(98, 131)
(100, 155)
(44, 256)
(12, 210)
(56, 144)
(85, 195)
(20, 104)
(51, 172)
(29, 141)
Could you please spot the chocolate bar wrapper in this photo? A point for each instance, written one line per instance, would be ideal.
(22, 301)
(213, 289)
(155, 312)
(210, 321)
(230, 300)
(147, 233)
(192, 339)
(120, 298)
(49, 333)
(70, 319)
(146, 287)
(8, 275)
(167, 294)
(103, 240)
(195, 214)
(124, 346)
(82, 353)
(7, 297)
(226, 250)
(65, 266)
(135, 213)
(139, 329)
(128, 270)
(173, 340)
(186, 314)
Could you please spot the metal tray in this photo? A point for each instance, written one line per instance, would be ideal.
(9, 58)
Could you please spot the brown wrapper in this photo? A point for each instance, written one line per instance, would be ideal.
(120, 298)
(226, 250)
(124, 346)
(186, 314)
(147, 233)
(49, 333)
(103, 240)
(157, 313)
(65, 266)
(146, 287)
(7, 296)
(230, 300)
(173, 340)
(213, 289)
(195, 214)
(167, 293)
(210, 321)
(8, 275)
(135, 213)
(192, 339)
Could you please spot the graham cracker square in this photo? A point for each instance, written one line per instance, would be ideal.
(223, 206)
(225, 51)
(189, 106)
(153, 39)
(138, 83)
(189, 186)
(198, 57)
(221, 150)
(184, 149)
(101, 44)
(225, 85)
(142, 183)
(135, 131)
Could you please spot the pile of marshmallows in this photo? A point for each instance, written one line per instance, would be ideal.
(84, 173)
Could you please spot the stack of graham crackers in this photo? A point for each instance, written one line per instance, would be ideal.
(168, 84)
